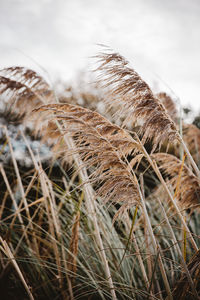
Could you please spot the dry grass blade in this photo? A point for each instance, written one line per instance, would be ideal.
(103, 148)
(100, 144)
(22, 90)
(138, 101)
(6, 250)
(169, 104)
(182, 288)
(71, 144)
(188, 193)
(73, 247)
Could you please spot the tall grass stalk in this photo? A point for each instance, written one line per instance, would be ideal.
(91, 205)
(158, 173)
(94, 221)
(5, 248)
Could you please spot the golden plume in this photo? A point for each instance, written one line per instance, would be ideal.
(124, 86)
(103, 148)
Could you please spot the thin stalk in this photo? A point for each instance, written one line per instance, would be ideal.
(23, 209)
(90, 203)
(179, 251)
(175, 206)
(181, 131)
(129, 237)
(197, 171)
(50, 207)
(26, 193)
(23, 195)
(6, 250)
(156, 246)
(52, 228)
(139, 257)
(92, 209)
(157, 171)
(184, 245)
(149, 261)
(17, 173)
(146, 280)
(2, 207)
(176, 195)
(17, 212)
(153, 272)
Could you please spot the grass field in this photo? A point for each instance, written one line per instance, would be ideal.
(100, 189)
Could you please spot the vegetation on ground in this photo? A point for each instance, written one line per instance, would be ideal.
(100, 189)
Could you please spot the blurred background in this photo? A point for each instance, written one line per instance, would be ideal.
(161, 39)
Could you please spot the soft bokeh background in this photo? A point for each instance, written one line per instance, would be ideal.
(160, 38)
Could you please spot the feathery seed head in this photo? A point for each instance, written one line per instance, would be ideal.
(125, 86)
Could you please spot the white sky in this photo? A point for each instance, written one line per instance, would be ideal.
(157, 37)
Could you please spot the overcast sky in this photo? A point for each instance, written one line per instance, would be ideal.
(161, 39)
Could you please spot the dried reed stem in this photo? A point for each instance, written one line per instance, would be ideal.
(197, 171)
(17, 213)
(91, 206)
(179, 251)
(146, 280)
(17, 173)
(156, 247)
(90, 200)
(6, 250)
(50, 208)
(175, 206)
(157, 171)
